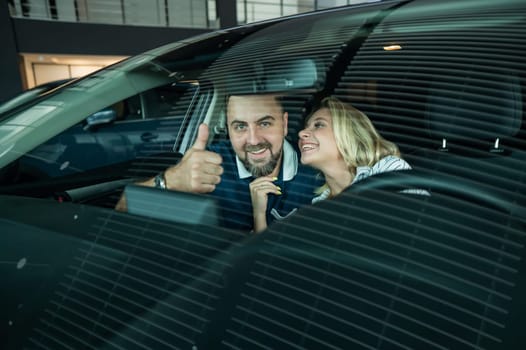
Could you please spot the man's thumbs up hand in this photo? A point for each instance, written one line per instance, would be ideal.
(202, 138)
(199, 171)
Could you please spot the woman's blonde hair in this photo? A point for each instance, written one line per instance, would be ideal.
(356, 137)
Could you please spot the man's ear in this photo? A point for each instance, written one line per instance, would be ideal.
(285, 123)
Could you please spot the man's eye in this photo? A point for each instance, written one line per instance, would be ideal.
(265, 124)
(240, 127)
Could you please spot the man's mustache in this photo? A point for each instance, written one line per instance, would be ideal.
(257, 147)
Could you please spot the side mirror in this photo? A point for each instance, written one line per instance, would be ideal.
(105, 116)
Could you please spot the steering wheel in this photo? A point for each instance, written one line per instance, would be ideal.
(443, 183)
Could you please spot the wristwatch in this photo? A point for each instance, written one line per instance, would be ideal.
(160, 181)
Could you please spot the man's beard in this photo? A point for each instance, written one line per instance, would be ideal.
(261, 169)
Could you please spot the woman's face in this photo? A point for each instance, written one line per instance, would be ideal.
(317, 143)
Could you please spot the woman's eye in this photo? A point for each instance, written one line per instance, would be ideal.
(318, 125)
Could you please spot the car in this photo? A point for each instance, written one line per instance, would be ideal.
(31, 94)
(377, 267)
(116, 133)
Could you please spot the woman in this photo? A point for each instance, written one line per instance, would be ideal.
(343, 144)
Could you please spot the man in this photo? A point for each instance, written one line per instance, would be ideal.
(256, 150)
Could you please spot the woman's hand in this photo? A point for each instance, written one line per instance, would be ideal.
(259, 190)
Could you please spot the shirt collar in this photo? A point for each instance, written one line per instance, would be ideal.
(323, 196)
(361, 173)
(289, 166)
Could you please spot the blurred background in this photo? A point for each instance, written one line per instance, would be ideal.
(48, 40)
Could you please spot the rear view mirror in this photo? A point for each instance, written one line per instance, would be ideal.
(296, 74)
(276, 76)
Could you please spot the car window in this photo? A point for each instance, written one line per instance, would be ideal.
(122, 132)
(166, 101)
(423, 94)
(32, 94)
(296, 61)
(430, 256)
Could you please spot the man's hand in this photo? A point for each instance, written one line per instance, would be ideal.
(259, 190)
(199, 171)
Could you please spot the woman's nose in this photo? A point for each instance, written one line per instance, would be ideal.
(303, 134)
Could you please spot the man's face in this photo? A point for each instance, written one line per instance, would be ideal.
(257, 127)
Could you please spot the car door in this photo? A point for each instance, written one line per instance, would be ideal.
(144, 124)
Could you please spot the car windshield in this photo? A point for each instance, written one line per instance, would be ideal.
(30, 95)
(348, 178)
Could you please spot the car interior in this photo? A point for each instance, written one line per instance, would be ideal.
(377, 267)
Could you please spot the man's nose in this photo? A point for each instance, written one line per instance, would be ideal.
(254, 136)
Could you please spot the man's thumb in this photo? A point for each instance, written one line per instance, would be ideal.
(202, 138)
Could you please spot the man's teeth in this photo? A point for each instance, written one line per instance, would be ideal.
(258, 151)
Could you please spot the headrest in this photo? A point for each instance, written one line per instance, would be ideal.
(474, 107)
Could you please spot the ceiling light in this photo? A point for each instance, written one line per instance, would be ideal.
(392, 47)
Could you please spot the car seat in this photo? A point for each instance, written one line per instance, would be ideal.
(474, 123)
(474, 108)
